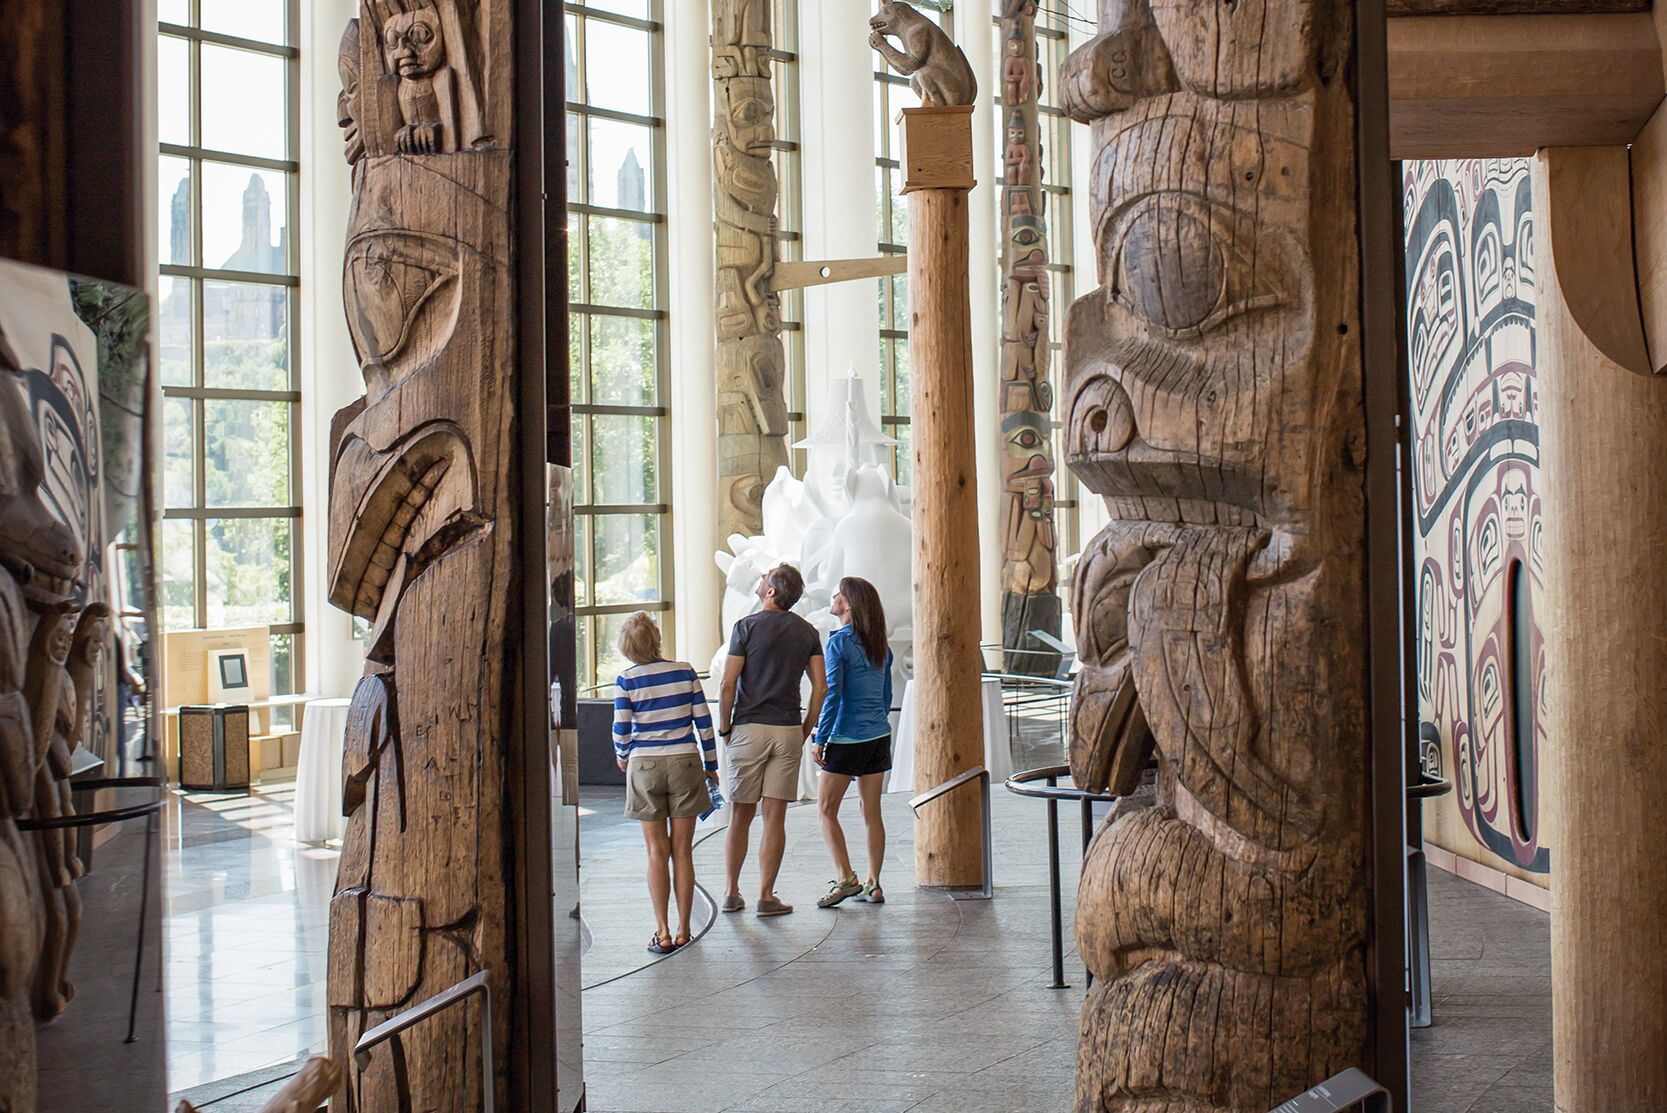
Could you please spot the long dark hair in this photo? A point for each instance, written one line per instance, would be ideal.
(868, 618)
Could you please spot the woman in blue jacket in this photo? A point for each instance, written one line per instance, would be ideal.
(853, 736)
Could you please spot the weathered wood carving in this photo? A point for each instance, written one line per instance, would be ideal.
(1215, 402)
(751, 362)
(1029, 572)
(937, 70)
(421, 546)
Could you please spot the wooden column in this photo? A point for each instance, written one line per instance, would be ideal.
(1215, 401)
(937, 174)
(1603, 433)
(434, 524)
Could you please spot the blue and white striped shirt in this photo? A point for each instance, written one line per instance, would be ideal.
(661, 707)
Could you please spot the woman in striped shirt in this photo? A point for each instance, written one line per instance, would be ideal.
(663, 742)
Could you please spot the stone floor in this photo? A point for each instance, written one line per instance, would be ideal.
(922, 1004)
(1489, 1050)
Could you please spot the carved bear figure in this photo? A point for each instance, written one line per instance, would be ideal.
(937, 70)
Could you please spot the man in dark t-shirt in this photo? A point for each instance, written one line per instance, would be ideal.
(765, 726)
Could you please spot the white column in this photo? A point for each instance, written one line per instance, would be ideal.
(836, 67)
(330, 376)
(1091, 510)
(976, 36)
(691, 482)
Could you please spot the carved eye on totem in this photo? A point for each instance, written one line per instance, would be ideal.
(1177, 262)
(1026, 440)
(1024, 235)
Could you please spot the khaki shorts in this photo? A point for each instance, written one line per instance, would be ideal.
(670, 787)
(764, 761)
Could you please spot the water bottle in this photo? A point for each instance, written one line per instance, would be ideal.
(716, 795)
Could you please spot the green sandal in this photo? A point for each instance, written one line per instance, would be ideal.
(840, 890)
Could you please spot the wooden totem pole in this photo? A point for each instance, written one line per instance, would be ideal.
(1029, 573)
(1215, 402)
(751, 362)
(422, 546)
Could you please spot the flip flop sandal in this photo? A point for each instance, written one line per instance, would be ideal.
(680, 940)
(655, 947)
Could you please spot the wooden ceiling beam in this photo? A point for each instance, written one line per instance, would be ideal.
(1471, 86)
(1514, 7)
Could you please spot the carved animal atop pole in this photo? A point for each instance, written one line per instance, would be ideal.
(1215, 401)
(937, 70)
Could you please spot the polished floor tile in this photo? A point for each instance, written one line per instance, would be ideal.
(245, 934)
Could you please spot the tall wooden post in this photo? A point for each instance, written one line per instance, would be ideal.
(937, 174)
(1215, 400)
(751, 362)
(1029, 568)
(434, 525)
(1603, 421)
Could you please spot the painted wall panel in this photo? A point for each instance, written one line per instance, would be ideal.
(1475, 414)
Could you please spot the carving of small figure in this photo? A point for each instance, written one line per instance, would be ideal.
(51, 695)
(1018, 150)
(1018, 73)
(416, 50)
(938, 71)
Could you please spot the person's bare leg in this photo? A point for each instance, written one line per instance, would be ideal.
(735, 845)
(659, 872)
(771, 844)
(830, 793)
(869, 788)
(683, 862)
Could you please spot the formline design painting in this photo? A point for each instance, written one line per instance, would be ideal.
(1476, 493)
(1215, 402)
(1030, 603)
(421, 546)
(751, 360)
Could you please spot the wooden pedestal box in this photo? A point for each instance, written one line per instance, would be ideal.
(214, 748)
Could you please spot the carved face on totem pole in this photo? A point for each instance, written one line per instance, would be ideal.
(1214, 402)
(347, 64)
(414, 44)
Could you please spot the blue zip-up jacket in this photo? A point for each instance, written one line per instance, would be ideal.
(859, 695)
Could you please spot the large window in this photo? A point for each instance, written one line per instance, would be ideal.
(1052, 45)
(227, 121)
(891, 95)
(617, 293)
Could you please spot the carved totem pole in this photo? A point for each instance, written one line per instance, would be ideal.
(53, 630)
(422, 547)
(1029, 573)
(1215, 402)
(751, 362)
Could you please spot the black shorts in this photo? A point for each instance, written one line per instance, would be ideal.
(857, 759)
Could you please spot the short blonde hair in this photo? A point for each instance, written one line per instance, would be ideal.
(639, 638)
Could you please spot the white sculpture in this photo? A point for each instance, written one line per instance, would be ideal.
(847, 517)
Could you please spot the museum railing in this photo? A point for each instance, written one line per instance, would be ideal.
(390, 1030)
(1052, 792)
(85, 790)
(982, 776)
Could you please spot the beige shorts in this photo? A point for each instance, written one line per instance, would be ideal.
(670, 787)
(764, 761)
